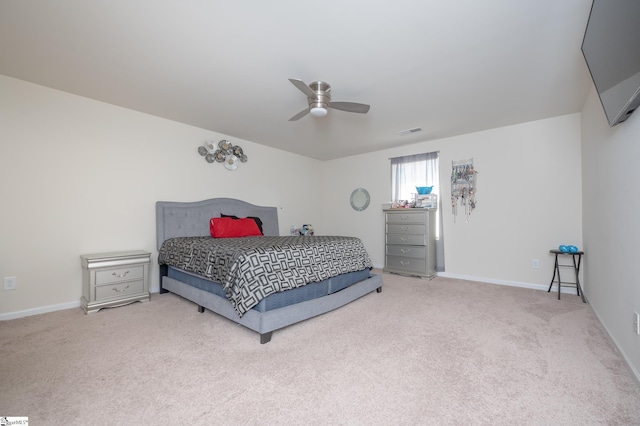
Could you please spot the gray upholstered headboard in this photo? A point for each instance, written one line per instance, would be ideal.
(191, 219)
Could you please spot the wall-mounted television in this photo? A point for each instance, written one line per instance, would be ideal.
(611, 49)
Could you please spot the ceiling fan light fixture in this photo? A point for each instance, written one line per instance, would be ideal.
(319, 98)
(318, 111)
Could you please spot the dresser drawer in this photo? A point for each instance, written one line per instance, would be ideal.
(407, 217)
(406, 229)
(419, 252)
(116, 275)
(406, 264)
(119, 290)
(415, 240)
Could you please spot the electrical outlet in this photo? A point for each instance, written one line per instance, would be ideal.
(535, 263)
(636, 323)
(10, 283)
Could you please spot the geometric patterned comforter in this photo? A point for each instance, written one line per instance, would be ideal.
(251, 268)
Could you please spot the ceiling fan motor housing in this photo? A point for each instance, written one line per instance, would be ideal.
(323, 95)
(319, 97)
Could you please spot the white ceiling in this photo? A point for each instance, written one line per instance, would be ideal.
(448, 67)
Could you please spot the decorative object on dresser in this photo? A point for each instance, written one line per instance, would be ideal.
(410, 244)
(223, 152)
(114, 279)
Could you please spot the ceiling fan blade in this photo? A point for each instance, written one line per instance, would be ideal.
(299, 115)
(302, 86)
(350, 107)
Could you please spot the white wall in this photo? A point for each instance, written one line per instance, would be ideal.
(79, 176)
(529, 199)
(611, 203)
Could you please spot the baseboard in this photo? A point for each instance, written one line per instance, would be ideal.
(545, 287)
(622, 352)
(155, 289)
(47, 309)
(40, 310)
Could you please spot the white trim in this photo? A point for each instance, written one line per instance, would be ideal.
(40, 310)
(50, 308)
(619, 347)
(545, 287)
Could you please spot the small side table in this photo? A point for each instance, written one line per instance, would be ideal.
(114, 279)
(575, 266)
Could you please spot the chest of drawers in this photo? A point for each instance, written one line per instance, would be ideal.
(410, 245)
(114, 279)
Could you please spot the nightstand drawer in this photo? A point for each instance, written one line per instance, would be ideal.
(119, 290)
(116, 275)
(419, 252)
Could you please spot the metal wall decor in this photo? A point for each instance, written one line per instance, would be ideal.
(463, 187)
(223, 152)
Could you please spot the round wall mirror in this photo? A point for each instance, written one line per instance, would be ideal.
(359, 199)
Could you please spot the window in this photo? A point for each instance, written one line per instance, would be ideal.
(416, 170)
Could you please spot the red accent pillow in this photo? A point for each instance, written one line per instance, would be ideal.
(226, 227)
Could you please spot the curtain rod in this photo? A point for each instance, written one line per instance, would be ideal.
(430, 152)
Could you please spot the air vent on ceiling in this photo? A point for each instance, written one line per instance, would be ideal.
(409, 131)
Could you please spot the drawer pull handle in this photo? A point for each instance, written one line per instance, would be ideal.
(404, 240)
(405, 228)
(405, 218)
(120, 275)
(405, 251)
(405, 262)
(121, 290)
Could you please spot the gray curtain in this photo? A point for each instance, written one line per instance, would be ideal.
(419, 170)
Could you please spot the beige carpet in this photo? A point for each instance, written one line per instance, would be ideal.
(440, 352)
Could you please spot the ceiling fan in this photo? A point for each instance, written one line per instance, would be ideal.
(319, 96)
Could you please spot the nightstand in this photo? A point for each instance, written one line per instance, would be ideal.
(114, 279)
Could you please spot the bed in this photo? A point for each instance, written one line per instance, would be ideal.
(266, 297)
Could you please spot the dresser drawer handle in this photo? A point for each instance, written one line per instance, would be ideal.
(405, 251)
(404, 217)
(121, 290)
(404, 228)
(120, 275)
(405, 262)
(403, 239)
